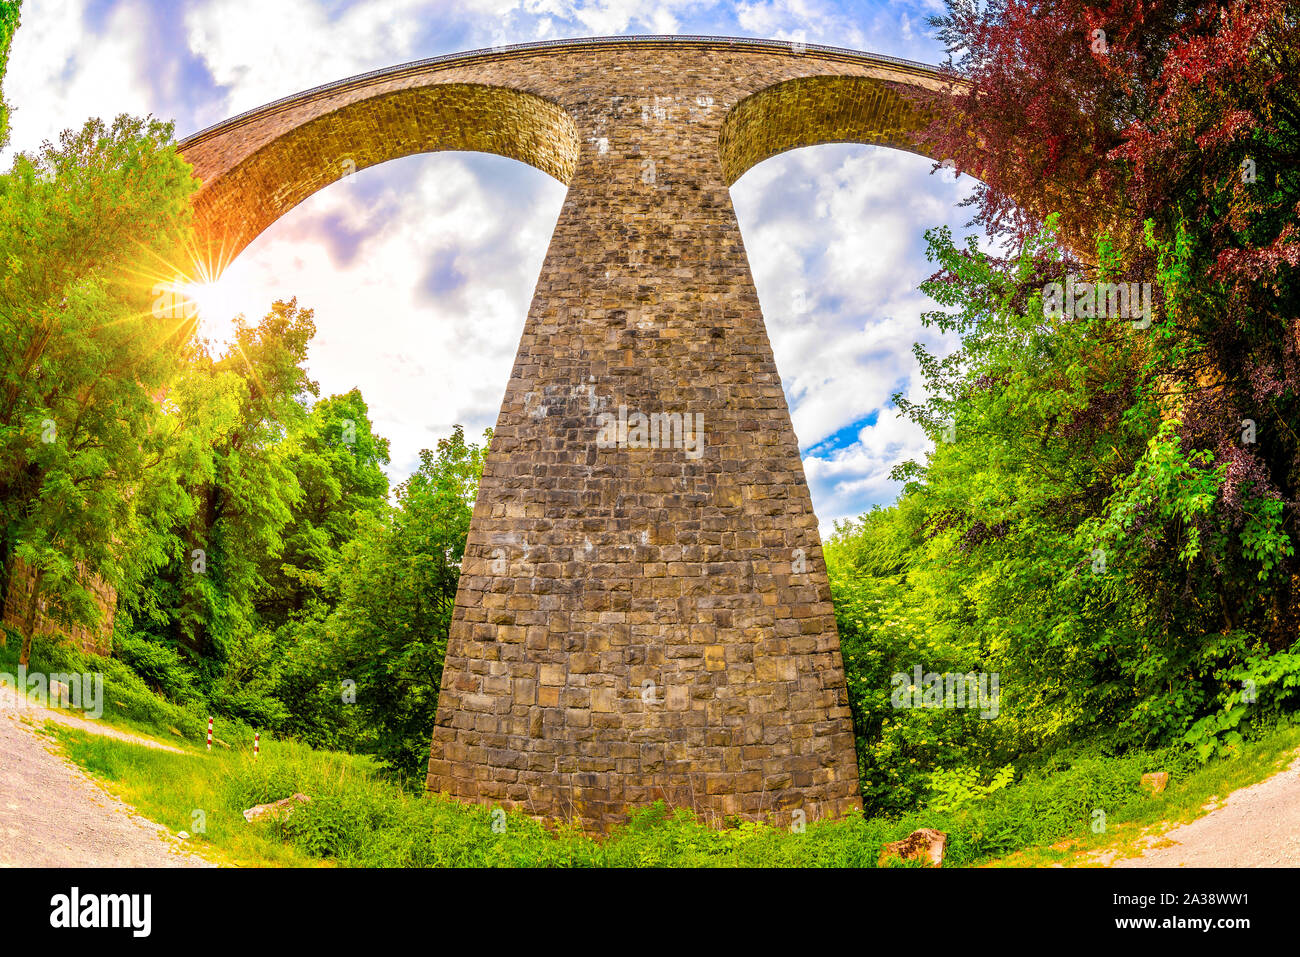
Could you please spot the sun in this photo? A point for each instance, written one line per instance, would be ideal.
(216, 303)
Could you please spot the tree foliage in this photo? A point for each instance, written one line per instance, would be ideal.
(1109, 516)
(9, 18)
(82, 357)
(243, 520)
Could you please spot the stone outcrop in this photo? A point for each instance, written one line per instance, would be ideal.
(926, 845)
(275, 810)
(1155, 782)
(97, 639)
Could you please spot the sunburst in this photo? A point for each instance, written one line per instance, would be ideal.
(195, 298)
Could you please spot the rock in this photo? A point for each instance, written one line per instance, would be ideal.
(183, 835)
(1156, 781)
(926, 845)
(276, 810)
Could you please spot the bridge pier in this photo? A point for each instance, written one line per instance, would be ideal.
(636, 623)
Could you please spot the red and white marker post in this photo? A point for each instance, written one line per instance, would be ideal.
(257, 740)
(209, 733)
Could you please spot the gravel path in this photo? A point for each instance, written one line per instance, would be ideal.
(1257, 826)
(53, 815)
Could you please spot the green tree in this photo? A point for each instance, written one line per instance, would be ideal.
(1062, 533)
(242, 495)
(338, 463)
(9, 20)
(396, 587)
(273, 678)
(84, 353)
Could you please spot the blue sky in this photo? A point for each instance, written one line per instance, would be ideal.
(421, 270)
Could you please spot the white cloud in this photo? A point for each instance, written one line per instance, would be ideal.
(60, 75)
(837, 230)
(606, 17)
(259, 51)
(298, 44)
(424, 360)
(421, 271)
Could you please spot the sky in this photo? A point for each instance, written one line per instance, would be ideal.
(420, 271)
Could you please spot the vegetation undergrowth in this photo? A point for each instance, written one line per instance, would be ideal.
(358, 817)
(128, 701)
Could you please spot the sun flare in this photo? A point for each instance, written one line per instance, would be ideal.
(215, 303)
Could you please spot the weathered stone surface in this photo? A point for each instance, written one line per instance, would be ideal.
(1156, 781)
(926, 845)
(96, 640)
(276, 810)
(753, 98)
(632, 623)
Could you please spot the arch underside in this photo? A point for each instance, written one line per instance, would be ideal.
(237, 202)
(238, 205)
(812, 111)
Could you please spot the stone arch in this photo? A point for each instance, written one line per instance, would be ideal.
(237, 204)
(590, 571)
(811, 111)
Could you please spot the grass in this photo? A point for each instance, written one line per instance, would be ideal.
(129, 704)
(201, 793)
(359, 818)
(1185, 799)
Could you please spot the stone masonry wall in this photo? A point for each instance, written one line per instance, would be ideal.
(632, 623)
(97, 640)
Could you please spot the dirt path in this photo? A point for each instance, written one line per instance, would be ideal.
(1257, 826)
(53, 815)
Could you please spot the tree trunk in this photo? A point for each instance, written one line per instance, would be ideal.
(5, 570)
(29, 620)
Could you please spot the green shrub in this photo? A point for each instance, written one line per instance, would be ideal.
(160, 667)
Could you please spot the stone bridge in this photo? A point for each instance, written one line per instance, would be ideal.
(640, 616)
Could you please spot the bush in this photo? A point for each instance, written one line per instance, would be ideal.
(160, 667)
(251, 706)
